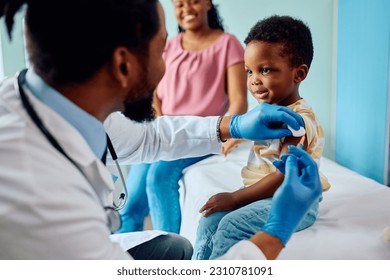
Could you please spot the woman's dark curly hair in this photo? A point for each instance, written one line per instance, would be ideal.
(70, 40)
(292, 33)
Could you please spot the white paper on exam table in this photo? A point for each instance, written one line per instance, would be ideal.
(129, 240)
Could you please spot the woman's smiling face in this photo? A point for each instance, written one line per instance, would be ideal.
(191, 14)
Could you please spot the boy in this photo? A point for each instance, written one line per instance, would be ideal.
(278, 54)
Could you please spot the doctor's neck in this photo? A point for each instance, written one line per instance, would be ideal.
(94, 96)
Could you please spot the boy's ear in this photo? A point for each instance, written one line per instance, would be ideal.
(301, 73)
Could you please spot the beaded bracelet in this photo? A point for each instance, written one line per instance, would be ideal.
(219, 130)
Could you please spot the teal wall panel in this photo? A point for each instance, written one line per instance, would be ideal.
(362, 86)
(12, 52)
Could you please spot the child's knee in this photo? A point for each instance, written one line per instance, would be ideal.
(207, 224)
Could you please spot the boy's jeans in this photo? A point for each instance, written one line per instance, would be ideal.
(221, 230)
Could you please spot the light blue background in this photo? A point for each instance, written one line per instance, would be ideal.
(12, 52)
(363, 86)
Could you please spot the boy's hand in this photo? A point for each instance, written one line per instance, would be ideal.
(219, 202)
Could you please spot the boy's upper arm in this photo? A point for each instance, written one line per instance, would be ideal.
(293, 141)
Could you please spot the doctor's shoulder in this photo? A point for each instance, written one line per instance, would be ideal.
(10, 120)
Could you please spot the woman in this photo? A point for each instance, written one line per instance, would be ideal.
(204, 76)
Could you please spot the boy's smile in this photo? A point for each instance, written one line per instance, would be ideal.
(270, 77)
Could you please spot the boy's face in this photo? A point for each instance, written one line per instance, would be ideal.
(270, 78)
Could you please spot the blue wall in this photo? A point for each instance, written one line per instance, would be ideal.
(362, 86)
(12, 52)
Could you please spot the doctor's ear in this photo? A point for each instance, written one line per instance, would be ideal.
(123, 67)
(122, 62)
(301, 73)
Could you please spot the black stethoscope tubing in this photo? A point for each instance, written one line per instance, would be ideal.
(113, 217)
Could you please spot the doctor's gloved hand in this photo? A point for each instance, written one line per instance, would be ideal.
(300, 189)
(264, 122)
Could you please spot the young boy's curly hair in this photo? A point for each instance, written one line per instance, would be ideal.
(293, 33)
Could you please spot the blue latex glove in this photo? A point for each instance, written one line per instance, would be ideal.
(260, 123)
(299, 190)
(281, 163)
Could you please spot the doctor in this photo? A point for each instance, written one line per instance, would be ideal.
(90, 59)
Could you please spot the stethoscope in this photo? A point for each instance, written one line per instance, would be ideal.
(113, 217)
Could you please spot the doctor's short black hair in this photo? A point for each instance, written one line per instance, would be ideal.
(293, 33)
(68, 41)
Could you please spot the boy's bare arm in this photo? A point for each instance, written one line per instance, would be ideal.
(229, 201)
(264, 188)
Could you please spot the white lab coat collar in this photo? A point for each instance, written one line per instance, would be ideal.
(77, 149)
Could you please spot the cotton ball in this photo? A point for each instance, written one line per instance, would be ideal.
(297, 133)
(386, 234)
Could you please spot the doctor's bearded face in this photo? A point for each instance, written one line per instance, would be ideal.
(151, 71)
(140, 110)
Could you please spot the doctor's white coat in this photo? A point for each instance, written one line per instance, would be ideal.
(48, 208)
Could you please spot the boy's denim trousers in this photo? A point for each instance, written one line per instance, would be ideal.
(154, 188)
(221, 230)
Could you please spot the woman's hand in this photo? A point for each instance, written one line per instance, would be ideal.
(219, 202)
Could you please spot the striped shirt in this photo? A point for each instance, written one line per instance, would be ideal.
(264, 152)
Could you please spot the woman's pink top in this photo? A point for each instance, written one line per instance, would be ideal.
(195, 82)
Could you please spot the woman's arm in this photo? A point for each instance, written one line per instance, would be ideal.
(237, 92)
(156, 104)
(236, 89)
